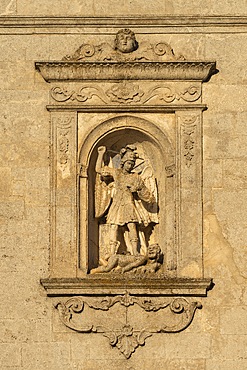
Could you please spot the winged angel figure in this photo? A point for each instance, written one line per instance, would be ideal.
(126, 197)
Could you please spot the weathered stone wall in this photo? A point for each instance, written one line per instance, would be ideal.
(31, 336)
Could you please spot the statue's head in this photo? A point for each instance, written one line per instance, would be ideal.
(125, 41)
(128, 156)
(154, 251)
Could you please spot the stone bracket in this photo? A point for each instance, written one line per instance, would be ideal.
(177, 315)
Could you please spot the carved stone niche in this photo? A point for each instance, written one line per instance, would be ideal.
(126, 188)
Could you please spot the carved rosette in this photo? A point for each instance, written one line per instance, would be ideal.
(178, 313)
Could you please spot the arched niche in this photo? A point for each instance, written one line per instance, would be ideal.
(153, 144)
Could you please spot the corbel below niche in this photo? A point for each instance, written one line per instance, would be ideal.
(126, 188)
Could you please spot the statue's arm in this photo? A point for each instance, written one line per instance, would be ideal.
(144, 193)
(99, 162)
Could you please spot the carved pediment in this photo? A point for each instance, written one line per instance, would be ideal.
(125, 49)
(125, 60)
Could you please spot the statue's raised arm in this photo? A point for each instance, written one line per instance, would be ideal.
(99, 162)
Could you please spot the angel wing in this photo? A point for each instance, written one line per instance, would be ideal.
(103, 196)
(149, 211)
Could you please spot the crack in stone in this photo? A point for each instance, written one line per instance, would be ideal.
(224, 252)
(10, 8)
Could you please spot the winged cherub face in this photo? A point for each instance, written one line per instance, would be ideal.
(125, 42)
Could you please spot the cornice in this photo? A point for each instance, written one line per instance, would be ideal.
(105, 285)
(178, 24)
(81, 71)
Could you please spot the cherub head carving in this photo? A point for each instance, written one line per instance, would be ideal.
(125, 41)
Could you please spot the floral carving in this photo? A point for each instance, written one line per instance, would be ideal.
(189, 138)
(63, 125)
(125, 93)
(63, 147)
(127, 338)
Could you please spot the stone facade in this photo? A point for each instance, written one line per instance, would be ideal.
(32, 335)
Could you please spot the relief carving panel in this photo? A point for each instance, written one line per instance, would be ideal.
(126, 205)
(128, 93)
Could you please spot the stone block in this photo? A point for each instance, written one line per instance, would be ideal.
(188, 345)
(234, 173)
(5, 182)
(10, 355)
(234, 320)
(215, 49)
(144, 364)
(12, 209)
(89, 8)
(40, 356)
(212, 173)
(8, 7)
(229, 347)
(226, 364)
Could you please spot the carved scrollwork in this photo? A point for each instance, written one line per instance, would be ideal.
(163, 48)
(169, 94)
(126, 301)
(127, 338)
(60, 94)
(126, 93)
(186, 312)
(73, 306)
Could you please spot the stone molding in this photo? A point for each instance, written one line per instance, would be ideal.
(167, 108)
(110, 71)
(115, 285)
(174, 21)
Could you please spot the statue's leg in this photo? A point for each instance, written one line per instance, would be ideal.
(112, 262)
(133, 237)
(113, 239)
